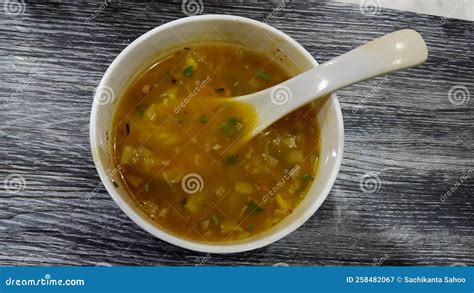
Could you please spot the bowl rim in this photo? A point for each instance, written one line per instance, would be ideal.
(163, 234)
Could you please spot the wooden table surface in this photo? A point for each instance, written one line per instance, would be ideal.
(404, 194)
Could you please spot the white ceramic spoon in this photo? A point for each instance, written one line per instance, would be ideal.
(397, 50)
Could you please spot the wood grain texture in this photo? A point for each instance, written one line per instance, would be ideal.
(402, 130)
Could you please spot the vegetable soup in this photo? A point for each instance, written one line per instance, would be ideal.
(185, 154)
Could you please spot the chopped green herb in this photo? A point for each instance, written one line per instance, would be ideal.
(203, 119)
(236, 83)
(263, 75)
(188, 71)
(216, 220)
(146, 187)
(231, 159)
(141, 110)
(249, 227)
(219, 90)
(115, 184)
(307, 177)
(253, 208)
(231, 126)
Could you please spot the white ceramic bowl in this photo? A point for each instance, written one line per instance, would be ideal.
(234, 29)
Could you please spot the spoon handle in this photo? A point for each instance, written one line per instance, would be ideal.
(395, 51)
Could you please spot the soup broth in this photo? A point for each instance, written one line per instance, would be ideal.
(184, 153)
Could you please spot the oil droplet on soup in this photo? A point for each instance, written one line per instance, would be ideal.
(183, 153)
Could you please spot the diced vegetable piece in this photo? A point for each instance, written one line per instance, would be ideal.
(282, 202)
(294, 186)
(127, 155)
(146, 152)
(150, 207)
(163, 213)
(272, 161)
(254, 83)
(279, 214)
(172, 176)
(171, 93)
(146, 187)
(249, 153)
(195, 202)
(295, 157)
(250, 227)
(258, 169)
(219, 191)
(203, 119)
(253, 208)
(243, 187)
(134, 180)
(243, 235)
(166, 139)
(142, 159)
(263, 75)
(146, 159)
(146, 88)
(290, 141)
(230, 226)
(154, 112)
